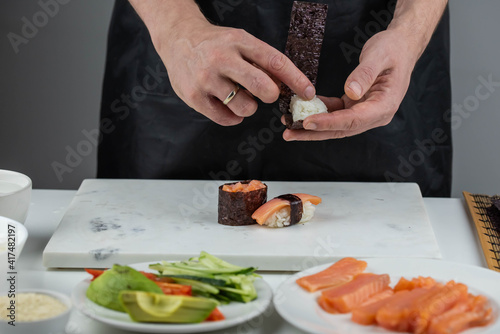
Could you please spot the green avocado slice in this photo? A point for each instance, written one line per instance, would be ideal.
(105, 289)
(160, 308)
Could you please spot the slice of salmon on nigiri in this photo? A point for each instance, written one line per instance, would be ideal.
(348, 296)
(338, 273)
(286, 210)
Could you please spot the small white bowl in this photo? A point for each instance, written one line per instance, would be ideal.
(54, 325)
(15, 195)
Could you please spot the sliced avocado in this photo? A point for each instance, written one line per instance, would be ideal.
(104, 290)
(157, 307)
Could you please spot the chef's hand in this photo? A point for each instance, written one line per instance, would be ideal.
(373, 92)
(205, 62)
(375, 89)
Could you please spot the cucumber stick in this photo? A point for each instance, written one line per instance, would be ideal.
(212, 277)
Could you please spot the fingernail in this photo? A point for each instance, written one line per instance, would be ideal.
(286, 136)
(311, 126)
(310, 92)
(355, 88)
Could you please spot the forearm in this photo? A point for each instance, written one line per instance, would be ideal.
(417, 20)
(163, 17)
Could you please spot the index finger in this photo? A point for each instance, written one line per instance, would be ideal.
(280, 66)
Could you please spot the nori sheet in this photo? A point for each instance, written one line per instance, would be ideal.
(236, 208)
(296, 207)
(493, 213)
(496, 203)
(303, 47)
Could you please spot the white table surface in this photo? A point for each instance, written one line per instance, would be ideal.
(449, 217)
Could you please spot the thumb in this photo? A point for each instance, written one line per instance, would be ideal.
(361, 79)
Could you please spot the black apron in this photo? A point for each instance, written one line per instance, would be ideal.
(148, 132)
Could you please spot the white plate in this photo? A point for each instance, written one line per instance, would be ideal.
(235, 313)
(300, 308)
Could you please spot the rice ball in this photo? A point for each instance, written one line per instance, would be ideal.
(300, 109)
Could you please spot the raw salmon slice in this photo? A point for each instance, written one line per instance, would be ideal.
(418, 282)
(325, 305)
(366, 313)
(395, 314)
(378, 296)
(269, 208)
(340, 272)
(350, 295)
(437, 303)
(243, 187)
(475, 311)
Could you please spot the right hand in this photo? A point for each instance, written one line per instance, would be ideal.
(205, 62)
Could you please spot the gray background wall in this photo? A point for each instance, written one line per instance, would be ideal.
(50, 91)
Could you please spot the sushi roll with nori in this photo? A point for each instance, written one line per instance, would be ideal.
(286, 210)
(239, 200)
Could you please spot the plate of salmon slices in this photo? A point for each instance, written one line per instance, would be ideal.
(392, 295)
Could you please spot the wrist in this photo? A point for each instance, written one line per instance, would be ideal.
(165, 36)
(168, 20)
(415, 22)
(415, 39)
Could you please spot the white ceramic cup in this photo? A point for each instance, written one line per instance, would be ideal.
(15, 195)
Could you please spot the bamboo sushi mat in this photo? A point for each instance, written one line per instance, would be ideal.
(489, 235)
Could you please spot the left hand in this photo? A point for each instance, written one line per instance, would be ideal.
(373, 91)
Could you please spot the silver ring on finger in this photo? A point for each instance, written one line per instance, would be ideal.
(231, 95)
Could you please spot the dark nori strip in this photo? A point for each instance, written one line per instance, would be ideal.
(303, 47)
(296, 207)
(496, 203)
(493, 213)
(236, 208)
(290, 124)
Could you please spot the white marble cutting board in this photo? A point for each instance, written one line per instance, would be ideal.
(130, 221)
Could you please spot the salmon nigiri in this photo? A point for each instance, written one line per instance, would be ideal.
(286, 210)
